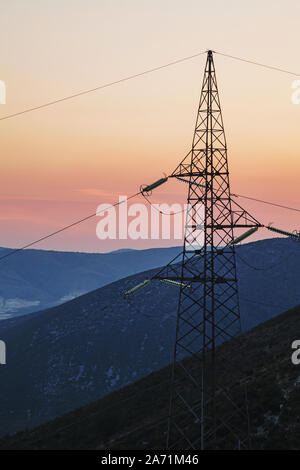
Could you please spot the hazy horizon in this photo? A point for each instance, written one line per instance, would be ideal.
(60, 162)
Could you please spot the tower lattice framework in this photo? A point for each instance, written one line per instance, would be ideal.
(208, 406)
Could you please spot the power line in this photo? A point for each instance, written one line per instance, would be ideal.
(100, 87)
(159, 210)
(237, 195)
(266, 202)
(261, 268)
(271, 67)
(240, 195)
(90, 216)
(66, 227)
(266, 304)
(130, 77)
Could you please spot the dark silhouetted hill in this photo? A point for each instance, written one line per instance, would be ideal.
(135, 417)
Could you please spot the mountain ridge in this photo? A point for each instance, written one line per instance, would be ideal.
(72, 354)
(33, 280)
(135, 417)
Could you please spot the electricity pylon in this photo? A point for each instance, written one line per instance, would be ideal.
(206, 412)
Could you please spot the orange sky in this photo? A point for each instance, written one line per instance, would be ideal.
(55, 161)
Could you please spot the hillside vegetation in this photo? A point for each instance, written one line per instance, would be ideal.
(135, 416)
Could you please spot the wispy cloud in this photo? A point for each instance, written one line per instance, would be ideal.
(98, 192)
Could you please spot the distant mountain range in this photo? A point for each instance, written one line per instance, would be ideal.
(67, 356)
(32, 280)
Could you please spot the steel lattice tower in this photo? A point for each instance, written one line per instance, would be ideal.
(205, 409)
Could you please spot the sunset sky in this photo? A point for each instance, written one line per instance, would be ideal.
(61, 162)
